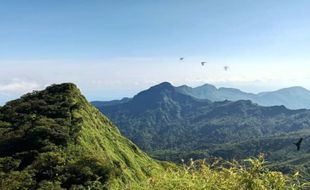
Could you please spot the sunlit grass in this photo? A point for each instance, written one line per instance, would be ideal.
(200, 175)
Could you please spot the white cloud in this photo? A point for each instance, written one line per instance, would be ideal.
(117, 77)
(19, 86)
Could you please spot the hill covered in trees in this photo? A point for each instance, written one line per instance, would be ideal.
(54, 139)
(173, 126)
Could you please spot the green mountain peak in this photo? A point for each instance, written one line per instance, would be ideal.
(55, 138)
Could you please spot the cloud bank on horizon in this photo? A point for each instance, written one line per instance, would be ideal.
(117, 78)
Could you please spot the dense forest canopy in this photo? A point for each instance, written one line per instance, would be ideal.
(171, 125)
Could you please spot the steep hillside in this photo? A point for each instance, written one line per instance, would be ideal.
(153, 115)
(171, 125)
(55, 139)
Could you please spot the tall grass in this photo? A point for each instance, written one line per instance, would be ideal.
(231, 176)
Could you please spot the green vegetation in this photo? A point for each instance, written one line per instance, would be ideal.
(54, 139)
(197, 175)
(172, 126)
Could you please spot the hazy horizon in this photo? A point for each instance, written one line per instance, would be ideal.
(128, 94)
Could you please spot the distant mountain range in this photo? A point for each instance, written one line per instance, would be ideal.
(292, 98)
(170, 124)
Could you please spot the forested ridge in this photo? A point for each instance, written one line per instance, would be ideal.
(55, 139)
(171, 125)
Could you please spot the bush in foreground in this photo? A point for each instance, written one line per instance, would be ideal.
(253, 175)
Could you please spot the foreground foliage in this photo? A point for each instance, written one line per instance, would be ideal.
(197, 175)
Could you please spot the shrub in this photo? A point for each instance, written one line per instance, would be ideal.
(199, 175)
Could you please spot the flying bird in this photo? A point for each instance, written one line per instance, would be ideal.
(226, 68)
(298, 144)
(203, 63)
(181, 59)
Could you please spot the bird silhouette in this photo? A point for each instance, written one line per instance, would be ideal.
(181, 59)
(203, 63)
(298, 144)
(226, 68)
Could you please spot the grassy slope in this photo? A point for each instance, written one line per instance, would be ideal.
(134, 164)
(56, 139)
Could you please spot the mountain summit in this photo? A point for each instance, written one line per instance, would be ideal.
(155, 92)
(55, 139)
(163, 96)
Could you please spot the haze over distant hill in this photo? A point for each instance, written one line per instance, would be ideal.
(172, 125)
(292, 97)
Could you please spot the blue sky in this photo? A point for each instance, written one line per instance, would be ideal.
(113, 49)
